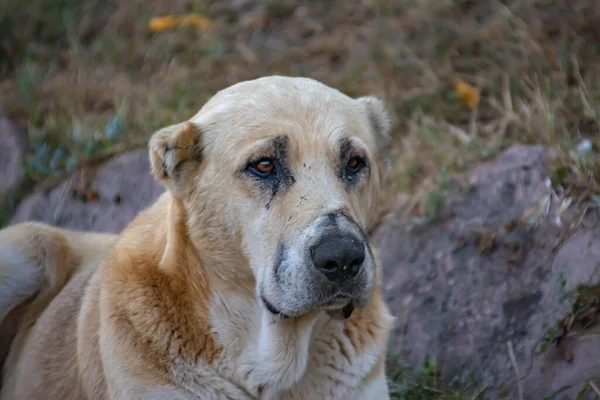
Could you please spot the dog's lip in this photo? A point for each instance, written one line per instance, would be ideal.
(337, 302)
(271, 308)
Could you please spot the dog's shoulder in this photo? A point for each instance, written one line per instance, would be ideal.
(149, 302)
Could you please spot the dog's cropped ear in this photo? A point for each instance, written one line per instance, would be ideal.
(380, 123)
(175, 155)
(379, 120)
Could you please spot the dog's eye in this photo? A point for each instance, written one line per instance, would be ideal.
(262, 168)
(355, 164)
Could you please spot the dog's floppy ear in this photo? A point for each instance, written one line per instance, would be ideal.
(175, 154)
(380, 123)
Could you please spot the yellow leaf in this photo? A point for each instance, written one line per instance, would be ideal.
(197, 20)
(159, 24)
(467, 93)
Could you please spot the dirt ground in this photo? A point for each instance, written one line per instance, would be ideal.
(495, 107)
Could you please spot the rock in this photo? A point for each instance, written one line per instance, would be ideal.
(578, 357)
(12, 151)
(104, 200)
(466, 285)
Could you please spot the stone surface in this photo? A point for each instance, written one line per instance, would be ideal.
(115, 193)
(467, 284)
(12, 150)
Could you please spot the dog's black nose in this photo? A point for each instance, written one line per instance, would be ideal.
(339, 257)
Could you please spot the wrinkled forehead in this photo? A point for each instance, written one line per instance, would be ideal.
(314, 120)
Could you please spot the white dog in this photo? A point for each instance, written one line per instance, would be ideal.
(250, 278)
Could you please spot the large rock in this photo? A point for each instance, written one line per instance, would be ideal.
(104, 199)
(466, 285)
(12, 150)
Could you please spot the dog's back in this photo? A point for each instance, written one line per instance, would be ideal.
(36, 262)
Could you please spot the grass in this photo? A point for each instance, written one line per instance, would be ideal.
(89, 78)
(70, 69)
(583, 318)
(426, 383)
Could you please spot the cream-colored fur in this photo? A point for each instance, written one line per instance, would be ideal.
(211, 293)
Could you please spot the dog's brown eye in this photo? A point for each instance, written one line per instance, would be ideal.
(262, 168)
(265, 167)
(355, 164)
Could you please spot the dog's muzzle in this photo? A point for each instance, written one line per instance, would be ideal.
(340, 258)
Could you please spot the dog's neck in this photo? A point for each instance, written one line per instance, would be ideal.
(222, 261)
(280, 351)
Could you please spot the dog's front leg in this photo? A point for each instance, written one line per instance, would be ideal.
(133, 376)
(164, 393)
(210, 388)
(376, 389)
(168, 393)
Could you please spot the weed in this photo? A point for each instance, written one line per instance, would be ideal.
(425, 383)
(436, 199)
(584, 313)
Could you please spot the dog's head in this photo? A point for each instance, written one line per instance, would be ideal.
(287, 171)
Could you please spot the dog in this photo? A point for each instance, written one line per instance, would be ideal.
(251, 277)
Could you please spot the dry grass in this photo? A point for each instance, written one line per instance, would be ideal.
(89, 77)
(75, 67)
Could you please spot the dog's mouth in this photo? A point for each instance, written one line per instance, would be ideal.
(338, 302)
(340, 307)
(342, 313)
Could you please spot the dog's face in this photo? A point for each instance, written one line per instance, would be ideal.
(291, 169)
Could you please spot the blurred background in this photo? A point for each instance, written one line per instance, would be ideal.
(463, 79)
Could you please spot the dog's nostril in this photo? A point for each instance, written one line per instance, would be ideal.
(354, 268)
(330, 266)
(339, 257)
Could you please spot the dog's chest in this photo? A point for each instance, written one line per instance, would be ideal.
(289, 366)
(334, 370)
